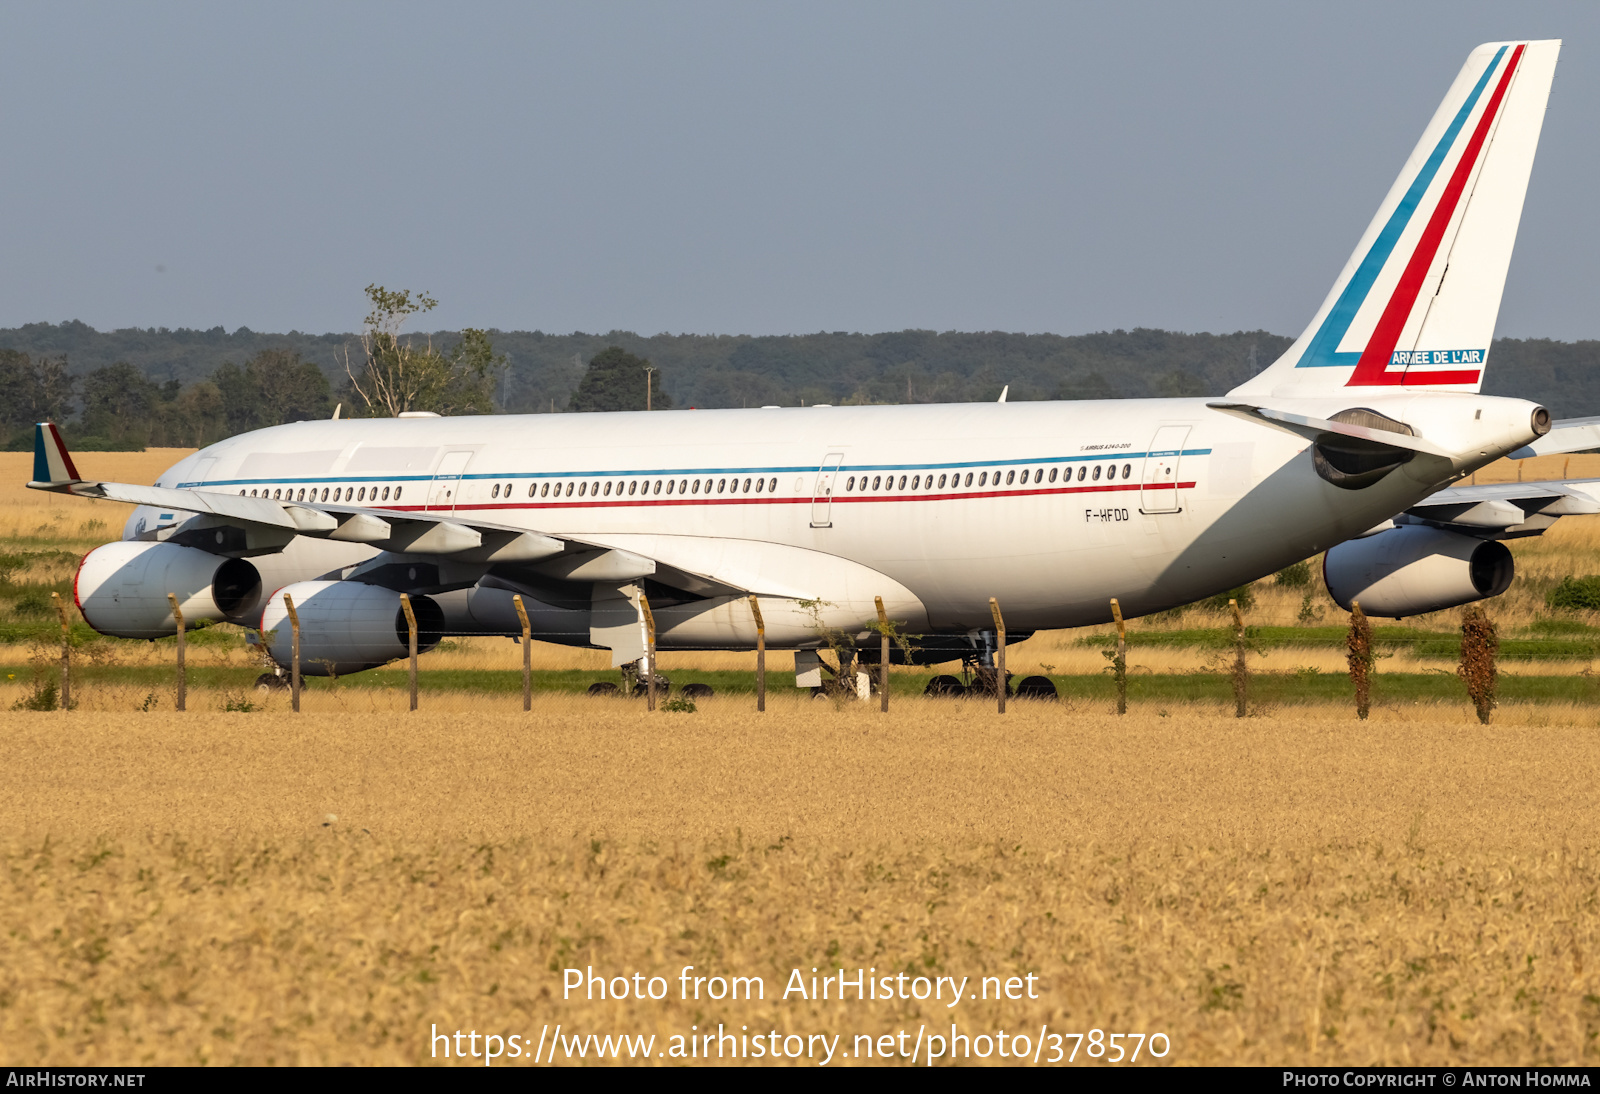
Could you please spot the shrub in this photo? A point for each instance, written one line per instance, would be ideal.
(1297, 576)
(679, 704)
(1219, 603)
(1580, 594)
(44, 697)
(1479, 644)
(33, 606)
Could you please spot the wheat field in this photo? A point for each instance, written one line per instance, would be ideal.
(227, 889)
(338, 886)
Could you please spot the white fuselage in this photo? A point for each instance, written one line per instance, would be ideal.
(1052, 508)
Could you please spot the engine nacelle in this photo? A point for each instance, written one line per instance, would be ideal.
(1414, 569)
(346, 626)
(122, 588)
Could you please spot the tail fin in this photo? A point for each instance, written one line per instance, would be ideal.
(52, 463)
(1415, 306)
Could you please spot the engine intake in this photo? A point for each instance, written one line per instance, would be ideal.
(347, 626)
(1413, 569)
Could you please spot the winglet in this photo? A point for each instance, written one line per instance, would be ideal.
(53, 468)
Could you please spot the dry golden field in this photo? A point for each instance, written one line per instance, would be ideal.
(1298, 887)
(227, 888)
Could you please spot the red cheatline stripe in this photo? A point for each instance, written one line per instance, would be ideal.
(589, 503)
(61, 447)
(1373, 368)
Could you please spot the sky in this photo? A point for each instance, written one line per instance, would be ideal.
(748, 168)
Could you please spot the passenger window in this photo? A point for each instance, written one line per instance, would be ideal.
(876, 482)
(772, 484)
(657, 490)
(1096, 475)
(670, 485)
(1127, 469)
(746, 488)
(696, 487)
(683, 485)
(851, 485)
(582, 488)
(385, 493)
(1083, 471)
(759, 484)
(1011, 477)
(983, 478)
(1052, 474)
(508, 489)
(916, 482)
(495, 493)
(397, 493)
(941, 481)
(722, 485)
(1111, 472)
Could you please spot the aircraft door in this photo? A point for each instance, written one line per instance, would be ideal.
(445, 489)
(1158, 485)
(822, 496)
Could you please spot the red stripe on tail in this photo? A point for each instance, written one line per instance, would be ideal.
(1373, 368)
(66, 457)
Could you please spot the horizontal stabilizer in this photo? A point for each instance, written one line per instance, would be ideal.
(1314, 429)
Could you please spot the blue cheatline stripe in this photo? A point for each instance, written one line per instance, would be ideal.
(1323, 352)
(691, 472)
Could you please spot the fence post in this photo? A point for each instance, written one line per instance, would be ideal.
(1241, 671)
(650, 651)
(761, 655)
(999, 653)
(1120, 665)
(411, 624)
(66, 651)
(183, 683)
(294, 653)
(527, 652)
(1359, 655)
(883, 655)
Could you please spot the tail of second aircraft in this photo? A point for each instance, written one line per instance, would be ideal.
(1415, 306)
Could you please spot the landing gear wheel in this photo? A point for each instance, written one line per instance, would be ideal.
(663, 688)
(271, 681)
(1037, 687)
(696, 691)
(604, 688)
(945, 687)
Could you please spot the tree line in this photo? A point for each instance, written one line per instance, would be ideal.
(134, 388)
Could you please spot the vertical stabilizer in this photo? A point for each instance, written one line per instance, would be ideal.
(1415, 306)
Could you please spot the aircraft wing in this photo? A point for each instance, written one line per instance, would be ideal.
(262, 526)
(1506, 510)
(1566, 435)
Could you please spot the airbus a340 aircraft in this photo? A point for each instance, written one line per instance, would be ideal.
(1350, 443)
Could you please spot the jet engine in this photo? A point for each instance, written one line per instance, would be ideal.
(122, 588)
(1415, 569)
(347, 626)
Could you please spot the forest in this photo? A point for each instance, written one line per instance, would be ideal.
(132, 388)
